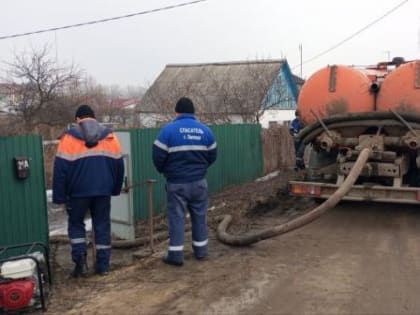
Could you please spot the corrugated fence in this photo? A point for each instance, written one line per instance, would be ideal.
(23, 205)
(239, 160)
(23, 208)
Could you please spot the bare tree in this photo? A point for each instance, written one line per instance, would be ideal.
(114, 111)
(253, 96)
(135, 91)
(114, 107)
(93, 94)
(242, 96)
(42, 87)
(160, 105)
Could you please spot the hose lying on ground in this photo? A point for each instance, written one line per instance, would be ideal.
(248, 239)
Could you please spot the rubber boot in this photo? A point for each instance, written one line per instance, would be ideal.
(81, 268)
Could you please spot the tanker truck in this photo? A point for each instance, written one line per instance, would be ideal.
(346, 109)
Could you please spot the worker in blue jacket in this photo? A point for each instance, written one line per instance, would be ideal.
(183, 151)
(295, 127)
(88, 169)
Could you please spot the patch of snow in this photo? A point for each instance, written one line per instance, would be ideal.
(61, 229)
(49, 195)
(267, 177)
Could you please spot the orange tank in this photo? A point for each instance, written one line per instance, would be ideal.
(335, 90)
(400, 90)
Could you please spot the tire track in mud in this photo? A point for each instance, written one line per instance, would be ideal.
(357, 259)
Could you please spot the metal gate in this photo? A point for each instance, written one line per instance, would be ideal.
(122, 214)
(23, 204)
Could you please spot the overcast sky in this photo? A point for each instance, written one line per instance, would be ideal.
(134, 51)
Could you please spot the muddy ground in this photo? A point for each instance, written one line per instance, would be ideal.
(358, 258)
(142, 284)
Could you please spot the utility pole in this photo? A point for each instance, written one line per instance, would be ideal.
(300, 52)
(388, 54)
(56, 46)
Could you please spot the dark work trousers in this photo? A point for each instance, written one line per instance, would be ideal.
(182, 198)
(100, 208)
(299, 151)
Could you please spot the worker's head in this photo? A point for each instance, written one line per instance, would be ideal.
(297, 114)
(184, 106)
(84, 111)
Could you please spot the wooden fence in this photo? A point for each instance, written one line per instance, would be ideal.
(278, 148)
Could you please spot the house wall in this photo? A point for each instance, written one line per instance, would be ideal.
(5, 102)
(283, 92)
(280, 116)
(153, 120)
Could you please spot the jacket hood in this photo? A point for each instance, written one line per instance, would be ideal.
(90, 131)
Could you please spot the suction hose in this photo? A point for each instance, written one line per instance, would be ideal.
(331, 202)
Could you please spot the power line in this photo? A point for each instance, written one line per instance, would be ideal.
(102, 20)
(353, 35)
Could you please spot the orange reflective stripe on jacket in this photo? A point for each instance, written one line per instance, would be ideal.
(71, 148)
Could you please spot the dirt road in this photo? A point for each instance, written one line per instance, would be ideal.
(356, 259)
